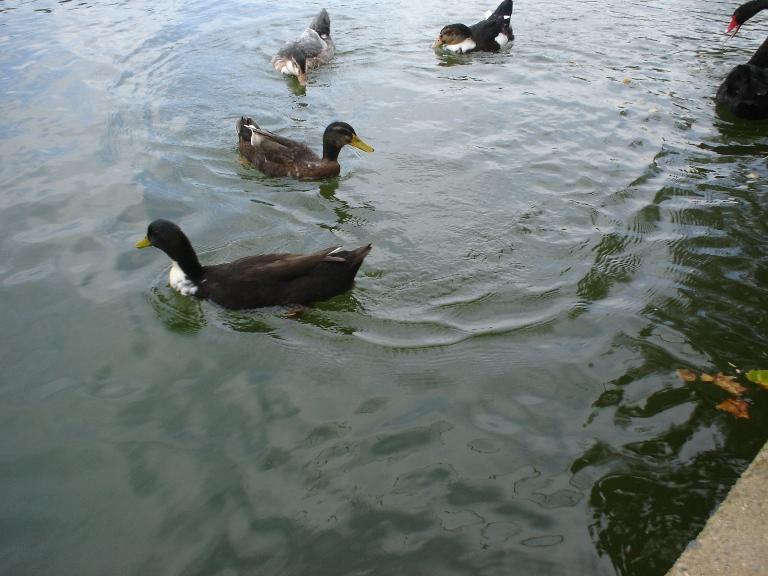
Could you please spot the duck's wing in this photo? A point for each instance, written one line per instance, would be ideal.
(311, 44)
(277, 149)
(275, 268)
(485, 32)
(264, 138)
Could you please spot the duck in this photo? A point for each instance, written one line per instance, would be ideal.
(488, 35)
(312, 49)
(745, 90)
(278, 156)
(255, 281)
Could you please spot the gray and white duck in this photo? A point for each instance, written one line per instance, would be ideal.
(313, 48)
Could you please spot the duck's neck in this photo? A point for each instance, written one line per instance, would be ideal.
(331, 151)
(187, 260)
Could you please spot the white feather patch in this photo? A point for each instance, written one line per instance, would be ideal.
(290, 68)
(179, 281)
(256, 138)
(501, 39)
(462, 47)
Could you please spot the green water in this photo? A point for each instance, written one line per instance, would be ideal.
(556, 229)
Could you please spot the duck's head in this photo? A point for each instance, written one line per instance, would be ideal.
(339, 134)
(299, 64)
(744, 13)
(322, 24)
(244, 128)
(168, 237)
(452, 34)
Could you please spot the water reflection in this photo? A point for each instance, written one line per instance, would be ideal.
(341, 208)
(446, 58)
(472, 425)
(295, 86)
(251, 321)
(655, 482)
(328, 187)
(179, 313)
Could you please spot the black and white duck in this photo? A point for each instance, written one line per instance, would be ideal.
(255, 281)
(278, 156)
(488, 35)
(745, 90)
(310, 50)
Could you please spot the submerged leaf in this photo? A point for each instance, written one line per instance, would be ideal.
(734, 406)
(686, 375)
(729, 384)
(758, 377)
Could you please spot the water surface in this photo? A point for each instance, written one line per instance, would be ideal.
(556, 229)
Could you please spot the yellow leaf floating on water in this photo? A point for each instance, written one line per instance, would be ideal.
(707, 377)
(686, 375)
(729, 384)
(627, 81)
(734, 406)
(758, 377)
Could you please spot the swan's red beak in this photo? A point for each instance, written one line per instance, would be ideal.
(734, 25)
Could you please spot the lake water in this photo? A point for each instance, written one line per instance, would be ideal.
(556, 228)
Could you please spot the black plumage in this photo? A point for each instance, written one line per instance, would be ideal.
(745, 90)
(256, 281)
(486, 35)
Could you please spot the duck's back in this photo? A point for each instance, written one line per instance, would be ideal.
(315, 44)
(279, 279)
(486, 33)
(275, 155)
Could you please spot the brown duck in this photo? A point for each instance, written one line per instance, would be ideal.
(278, 156)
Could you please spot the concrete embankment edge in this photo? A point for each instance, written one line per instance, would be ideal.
(734, 542)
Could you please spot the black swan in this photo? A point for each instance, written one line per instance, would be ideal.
(745, 90)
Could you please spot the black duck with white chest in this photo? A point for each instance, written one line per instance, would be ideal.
(745, 90)
(255, 281)
(278, 156)
(488, 35)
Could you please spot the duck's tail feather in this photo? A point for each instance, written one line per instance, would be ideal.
(352, 258)
(322, 23)
(504, 9)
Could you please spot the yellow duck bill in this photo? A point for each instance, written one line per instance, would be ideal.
(143, 243)
(360, 145)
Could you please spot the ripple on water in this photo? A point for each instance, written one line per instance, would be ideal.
(556, 229)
